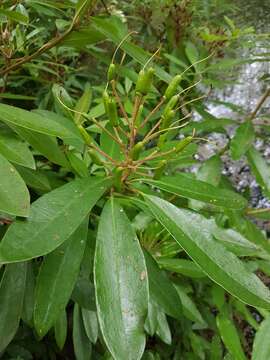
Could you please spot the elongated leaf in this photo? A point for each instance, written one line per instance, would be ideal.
(81, 343)
(52, 220)
(261, 345)
(193, 233)
(83, 104)
(60, 329)
(35, 179)
(15, 16)
(162, 291)
(260, 169)
(90, 322)
(16, 151)
(182, 266)
(11, 301)
(230, 336)
(33, 121)
(242, 140)
(84, 294)
(56, 279)
(163, 330)
(14, 196)
(190, 309)
(121, 284)
(183, 185)
(45, 144)
(113, 29)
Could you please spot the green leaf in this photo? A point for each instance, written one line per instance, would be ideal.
(261, 170)
(84, 294)
(56, 279)
(163, 330)
(190, 310)
(162, 291)
(16, 151)
(83, 104)
(81, 343)
(28, 301)
(185, 186)
(181, 266)
(90, 322)
(193, 233)
(35, 179)
(261, 345)
(121, 284)
(242, 140)
(52, 220)
(60, 329)
(112, 28)
(109, 146)
(14, 196)
(230, 336)
(15, 16)
(33, 121)
(11, 301)
(46, 145)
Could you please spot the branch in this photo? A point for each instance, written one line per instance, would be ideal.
(47, 46)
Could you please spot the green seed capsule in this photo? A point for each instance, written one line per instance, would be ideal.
(118, 173)
(136, 150)
(160, 169)
(144, 81)
(95, 157)
(111, 72)
(112, 112)
(139, 116)
(161, 140)
(167, 119)
(171, 104)
(87, 137)
(106, 99)
(172, 87)
(183, 143)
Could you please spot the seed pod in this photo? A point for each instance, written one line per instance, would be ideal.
(95, 157)
(106, 99)
(136, 150)
(87, 137)
(112, 113)
(167, 119)
(172, 87)
(183, 143)
(118, 173)
(161, 140)
(111, 72)
(139, 115)
(160, 169)
(144, 81)
(171, 104)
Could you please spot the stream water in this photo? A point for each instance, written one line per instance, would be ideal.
(246, 92)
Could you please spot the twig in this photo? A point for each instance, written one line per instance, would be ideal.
(259, 105)
(49, 45)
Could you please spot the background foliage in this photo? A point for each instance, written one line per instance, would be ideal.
(78, 184)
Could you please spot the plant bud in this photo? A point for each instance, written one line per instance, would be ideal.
(112, 113)
(118, 173)
(144, 81)
(111, 72)
(183, 143)
(136, 150)
(160, 169)
(172, 87)
(106, 99)
(95, 157)
(167, 119)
